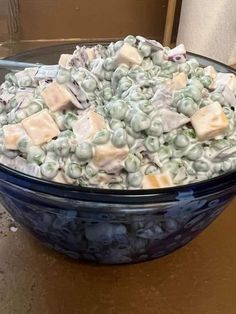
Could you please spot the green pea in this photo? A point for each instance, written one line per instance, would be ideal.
(226, 165)
(158, 57)
(215, 96)
(78, 75)
(132, 163)
(10, 77)
(110, 64)
(119, 138)
(36, 155)
(117, 109)
(108, 75)
(134, 179)
(228, 112)
(130, 140)
(137, 95)
(63, 76)
(21, 115)
(187, 106)
(116, 124)
(154, 71)
(151, 169)
(116, 186)
(25, 81)
(121, 70)
(177, 97)
(91, 170)
(62, 147)
(147, 64)
(145, 50)
(73, 170)
(12, 90)
(23, 144)
(3, 119)
(171, 166)
(84, 151)
(164, 153)
(148, 92)
(195, 82)
(184, 67)
(70, 118)
(193, 92)
(181, 141)
(206, 81)
(146, 106)
(199, 72)
(68, 133)
(152, 144)
(169, 67)
(49, 169)
(89, 84)
(156, 128)
(134, 134)
(140, 122)
(118, 45)
(130, 39)
(194, 153)
(101, 137)
(124, 84)
(193, 63)
(59, 119)
(107, 94)
(33, 108)
(201, 166)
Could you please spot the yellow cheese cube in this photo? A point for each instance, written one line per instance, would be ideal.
(13, 133)
(209, 121)
(159, 180)
(65, 60)
(129, 55)
(57, 97)
(88, 125)
(109, 158)
(210, 71)
(179, 81)
(40, 127)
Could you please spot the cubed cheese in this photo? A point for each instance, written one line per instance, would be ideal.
(209, 121)
(57, 97)
(179, 81)
(13, 133)
(225, 79)
(159, 180)
(109, 158)
(129, 55)
(210, 71)
(40, 127)
(90, 53)
(65, 60)
(88, 125)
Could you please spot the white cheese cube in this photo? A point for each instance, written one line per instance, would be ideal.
(129, 55)
(209, 121)
(90, 53)
(65, 60)
(210, 71)
(13, 133)
(159, 180)
(225, 79)
(107, 157)
(179, 81)
(88, 125)
(57, 97)
(40, 127)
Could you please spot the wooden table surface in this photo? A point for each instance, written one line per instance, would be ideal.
(199, 278)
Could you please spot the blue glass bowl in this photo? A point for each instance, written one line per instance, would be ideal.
(110, 226)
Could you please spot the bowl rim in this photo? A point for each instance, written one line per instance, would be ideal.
(212, 185)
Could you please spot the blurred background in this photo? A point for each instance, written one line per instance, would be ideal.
(29, 23)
